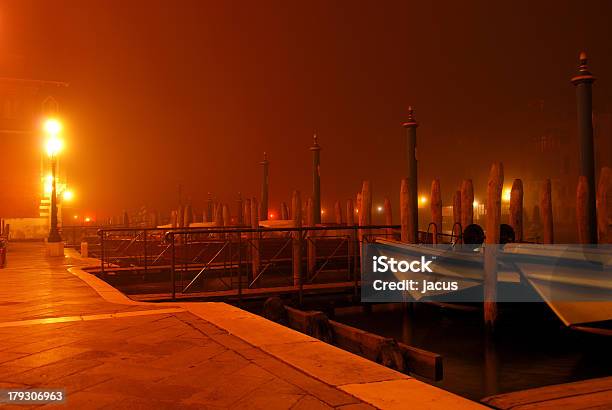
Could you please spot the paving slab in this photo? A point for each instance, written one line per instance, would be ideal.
(56, 331)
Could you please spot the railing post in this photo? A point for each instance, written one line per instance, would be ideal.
(239, 268)
(144, 232)
(436, 208)
(172, 273)
(356, 254)
(296, 204)
(101, 233)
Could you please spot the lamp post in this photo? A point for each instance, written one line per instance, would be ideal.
(54, 145)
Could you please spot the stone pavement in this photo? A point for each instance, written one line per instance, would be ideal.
(57, 332)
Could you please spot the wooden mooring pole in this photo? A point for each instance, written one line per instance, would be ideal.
(388, 218)
(338, 212)
(284, 211)
(209, 208)
(436, 208)
(547, 213)
(516, 209)
(467, 203)
(582, 212)
(604, 206)
(456, 208)
(494, 194)
(239, 210)
(365, 213)
(350, 213)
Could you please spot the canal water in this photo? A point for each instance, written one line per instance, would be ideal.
(530, 349)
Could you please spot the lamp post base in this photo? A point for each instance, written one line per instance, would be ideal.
(55, 249)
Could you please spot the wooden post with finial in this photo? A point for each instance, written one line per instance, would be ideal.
(582, 212)
(516, 209)
(255, 243)
(583, 81)
(604, 206)
(296, 243)
(467, 203)
(265, 186)
(494, 194)
(436, 207)
(388, 218)
(412, 180)
(316, 180)
(547, 212)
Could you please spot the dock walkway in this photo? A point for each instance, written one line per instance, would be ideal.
(61, 327)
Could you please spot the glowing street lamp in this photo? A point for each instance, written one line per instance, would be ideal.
(52, 128)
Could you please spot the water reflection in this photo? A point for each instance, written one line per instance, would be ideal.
(530, 347)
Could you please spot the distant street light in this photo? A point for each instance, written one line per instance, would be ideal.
(507, 195)
(52, 128)
(68, 196)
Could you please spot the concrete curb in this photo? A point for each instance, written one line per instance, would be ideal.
(370, 382)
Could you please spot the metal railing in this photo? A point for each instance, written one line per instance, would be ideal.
(238, 258)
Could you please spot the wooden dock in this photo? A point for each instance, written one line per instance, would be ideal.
(586, 394)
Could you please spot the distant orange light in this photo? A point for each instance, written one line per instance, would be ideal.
(271, 216)
(507, 194)
(87, 219)
(68, 196)
(75, 217)
(52, 126)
